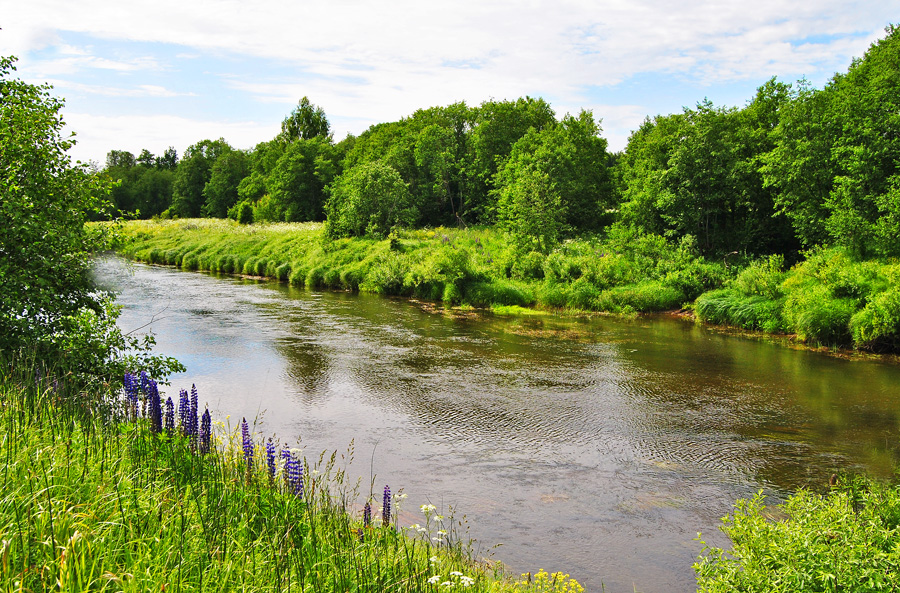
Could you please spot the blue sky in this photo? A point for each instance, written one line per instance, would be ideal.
(153, 74)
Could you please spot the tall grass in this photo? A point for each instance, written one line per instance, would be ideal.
(478, 266)
(102, 493)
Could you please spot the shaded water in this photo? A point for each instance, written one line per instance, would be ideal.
(597, 447)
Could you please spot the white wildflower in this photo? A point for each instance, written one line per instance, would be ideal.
(434, 579)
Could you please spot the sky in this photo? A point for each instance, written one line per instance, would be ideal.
(166, 73)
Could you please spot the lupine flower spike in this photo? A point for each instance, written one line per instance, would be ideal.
(205, 431)
(183, 407)
(170, 416)
(247, 443)
(270, 459)
(367, 515)
(386, 507)
(293, 473)
(156, 415)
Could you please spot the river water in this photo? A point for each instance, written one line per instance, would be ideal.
(598, 447)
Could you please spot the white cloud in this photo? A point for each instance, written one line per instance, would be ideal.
(98, 134)
(141, 90)
(380, 60)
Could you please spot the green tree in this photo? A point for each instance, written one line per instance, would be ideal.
(296, 184)
(192, 174)
(573, 157)
(369, 199)
(221, 191)
(306, 121)
(532, 211)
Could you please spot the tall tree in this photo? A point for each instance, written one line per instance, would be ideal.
(191, 175)
(44, 245)
(305, 122)
(221, 191)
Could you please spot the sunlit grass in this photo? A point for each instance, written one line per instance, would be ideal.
(96, 497)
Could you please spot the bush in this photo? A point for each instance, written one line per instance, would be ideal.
(242, 212)
(843, 541)
(369, 199)
(877, 326)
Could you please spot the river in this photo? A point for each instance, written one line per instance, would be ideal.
(598, 447)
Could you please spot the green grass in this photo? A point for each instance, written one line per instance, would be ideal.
(476, 266)
(93, 500)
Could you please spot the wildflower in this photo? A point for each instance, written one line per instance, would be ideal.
(270, 459)
(456, 573)
(205, 430)
(247, 443)
(155, 407)
(386, 507)
(170, 416)
(192, 415)
(132, 388)
(415, 526)
(434, 560)
(183, 411)
(428, 508)
(466, 581)
(367, 515)
(441, 532)
(446, 584)
(434, 579)
(293, 473)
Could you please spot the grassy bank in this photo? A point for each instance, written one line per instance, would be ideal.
(475, 266)
(830, 298)
(101, 493)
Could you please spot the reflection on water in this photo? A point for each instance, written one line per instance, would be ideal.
(598, 447)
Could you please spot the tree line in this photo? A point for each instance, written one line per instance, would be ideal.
(793, 168)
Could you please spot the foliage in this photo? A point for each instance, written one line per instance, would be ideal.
(842, 541)
(192, 174)
(221, 191)
(296, 183)
(44, 245)
(370, 199)
(572, 157)
(306, 121)
(532, 211)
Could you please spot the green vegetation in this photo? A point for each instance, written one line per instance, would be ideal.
(48, 305)
(478, 266)
(843, 541)
(99, 495)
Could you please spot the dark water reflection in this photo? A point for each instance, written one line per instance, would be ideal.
(597, 447)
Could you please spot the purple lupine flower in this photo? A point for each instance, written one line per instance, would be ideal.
(293, 473)
(145, 382)
(270, 459)
(170, 416)
(367, 515)
(192, 417)
(205, 432)
(155, 407)
(247, 443)
(132, 389)
(386, 507)
(183, 406)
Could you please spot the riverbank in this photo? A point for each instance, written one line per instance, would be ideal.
(829, 299)
(112, 491)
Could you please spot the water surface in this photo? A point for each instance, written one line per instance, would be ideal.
(599, 447)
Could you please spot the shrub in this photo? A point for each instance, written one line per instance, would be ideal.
(877, 326)
(369, 199)
(843, 541)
